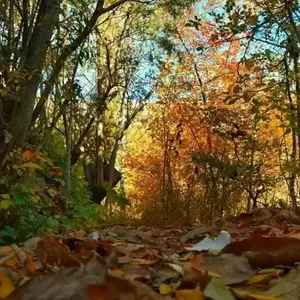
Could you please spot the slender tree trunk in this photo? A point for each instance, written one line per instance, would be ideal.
(294, 125)
(100, 151)
(68, 126)
(292, 177)
(112, 163)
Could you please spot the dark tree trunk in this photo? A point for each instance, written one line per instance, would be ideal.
(35, 58)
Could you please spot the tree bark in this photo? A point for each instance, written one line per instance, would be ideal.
(68, 126)
(37, 49)
(76, 149)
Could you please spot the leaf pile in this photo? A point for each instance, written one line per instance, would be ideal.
(260, 262)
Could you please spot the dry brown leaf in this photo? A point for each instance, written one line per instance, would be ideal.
(266, 252)
(197, 232)
(231, 268)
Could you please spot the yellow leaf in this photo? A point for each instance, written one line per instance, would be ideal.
(40, 158)
(5, 204)
(165, 289)
(213, 274)
(256, 296)
(6, 286)
(117, 272)
(189, 295)
(6, 250)
(272, 270)
(264, 276)
(31, 165)
(35, 198)
(142, 261)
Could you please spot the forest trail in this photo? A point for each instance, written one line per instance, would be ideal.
(252, 256)
(166, 112)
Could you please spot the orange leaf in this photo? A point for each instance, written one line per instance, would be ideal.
(56, 171)
(29, 265)
(189, 295)
(99, 292)
(29, 154)
(52, 251)
(117, 273)
(12, 262)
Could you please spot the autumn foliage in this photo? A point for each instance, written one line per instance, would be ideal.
(212, 145)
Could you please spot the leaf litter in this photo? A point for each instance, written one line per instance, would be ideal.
(259, 260)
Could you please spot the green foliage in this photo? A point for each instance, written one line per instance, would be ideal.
(116, 198)
(33, 199)
(82, 216)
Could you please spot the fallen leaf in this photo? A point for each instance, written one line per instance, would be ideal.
(6, 286)
(137, 274)
(68, 283)
(232, 268)
(144, 262)
(124, 260)
(99, 292)
(189, 295)
(29, 265)
(265, 276)
(287, 287)
(217, 290)
(144, 292)
(177, 268)
(6, 250)
(53, 251)
(11, 262)
(165, 289)
(31, 244)
(266, 252)
(287, 216)
(21, 255)
(200, 231)
(117, 272)
(245, 294)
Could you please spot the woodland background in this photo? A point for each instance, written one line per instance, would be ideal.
(165, 111)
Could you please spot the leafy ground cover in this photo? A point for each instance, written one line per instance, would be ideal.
(258, 259)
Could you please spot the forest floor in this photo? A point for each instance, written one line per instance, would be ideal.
(251, 256)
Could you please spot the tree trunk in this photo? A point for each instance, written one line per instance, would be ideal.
(100, 152)
(112, 163)
(68, 126)
(292, 177)
(76, 152)
(37, 49)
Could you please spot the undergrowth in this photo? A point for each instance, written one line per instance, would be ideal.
(34, 200)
